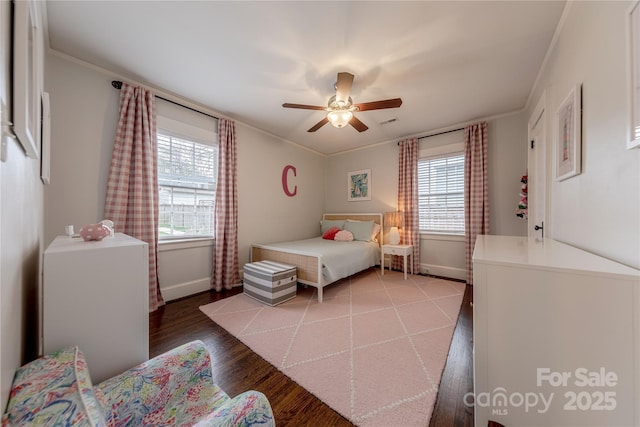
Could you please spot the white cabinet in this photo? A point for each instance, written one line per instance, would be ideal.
(96, 296)
(556, 335)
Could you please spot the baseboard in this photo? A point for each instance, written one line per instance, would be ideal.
(444, 271)
(185, 289)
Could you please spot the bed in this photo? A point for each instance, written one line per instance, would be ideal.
(321, 262)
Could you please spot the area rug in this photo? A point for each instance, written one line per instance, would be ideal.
(374, 350)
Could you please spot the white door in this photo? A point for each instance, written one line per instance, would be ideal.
(537, 181)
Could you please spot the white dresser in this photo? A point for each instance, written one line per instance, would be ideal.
(556, 335)
(96, 296)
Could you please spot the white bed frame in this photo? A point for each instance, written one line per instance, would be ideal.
(309, 265)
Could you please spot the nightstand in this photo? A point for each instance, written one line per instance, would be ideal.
(400, 250)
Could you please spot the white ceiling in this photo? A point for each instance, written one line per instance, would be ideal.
(450, 61)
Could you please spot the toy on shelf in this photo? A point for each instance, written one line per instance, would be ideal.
(522, 210)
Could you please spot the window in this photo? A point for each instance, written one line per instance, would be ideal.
(441, 193)
(187, 172)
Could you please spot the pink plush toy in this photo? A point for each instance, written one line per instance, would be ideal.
(343, 236)
(94, 232)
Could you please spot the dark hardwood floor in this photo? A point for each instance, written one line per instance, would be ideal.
(457, 377)
(236, 368)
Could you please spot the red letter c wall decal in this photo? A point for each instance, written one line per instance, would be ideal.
(285, 184)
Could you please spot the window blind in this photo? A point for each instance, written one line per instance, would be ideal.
(441, 194)
(187, 174)
(186, 164)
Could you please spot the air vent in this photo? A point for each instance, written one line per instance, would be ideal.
(386, 122)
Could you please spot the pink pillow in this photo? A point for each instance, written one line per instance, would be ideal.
(330, 233)
(343, 236)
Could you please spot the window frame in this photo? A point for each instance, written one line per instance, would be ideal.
(195, 134)
(442, 151)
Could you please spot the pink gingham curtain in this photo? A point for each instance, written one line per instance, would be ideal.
(225, 260)
(476, 189)
(408, 201)
(132, 189)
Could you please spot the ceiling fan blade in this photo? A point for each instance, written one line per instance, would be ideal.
(343, 87)
(379, 105)
(357, 124)
(319, 125)
(302, 106)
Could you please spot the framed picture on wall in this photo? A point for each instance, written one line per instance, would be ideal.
(634, 75)
(568, 135)
(45, 143)
(26, 92)
(359, 185)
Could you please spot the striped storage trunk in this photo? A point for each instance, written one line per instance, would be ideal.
(270, 282)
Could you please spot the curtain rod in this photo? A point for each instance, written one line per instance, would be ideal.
(439, 133)
(118, 85)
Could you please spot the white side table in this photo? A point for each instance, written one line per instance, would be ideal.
(400, 250)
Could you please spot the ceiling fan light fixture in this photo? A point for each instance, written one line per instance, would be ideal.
(340, 107)
(339, 118)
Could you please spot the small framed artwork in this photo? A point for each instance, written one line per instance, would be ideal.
(359, 185)
(634, 76)
(569, 135)
(26, 96)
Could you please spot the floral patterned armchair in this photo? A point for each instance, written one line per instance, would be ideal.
(175, 388)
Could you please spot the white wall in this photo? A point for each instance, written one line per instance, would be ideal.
(598, 210)
(439, 254)
(21, 234)
(507, 164)
(266, 213)
(382, 159)
(84, 117)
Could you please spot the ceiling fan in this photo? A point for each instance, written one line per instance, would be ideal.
(340, 107)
